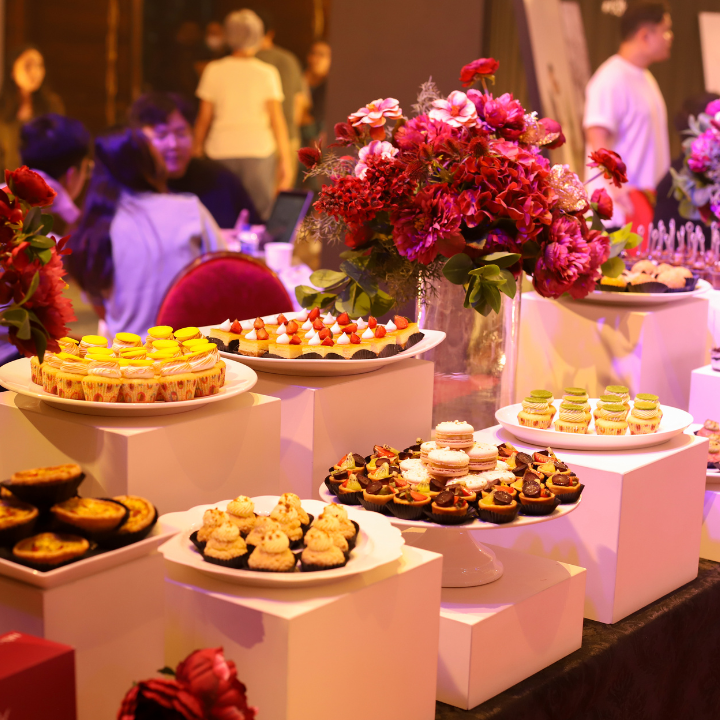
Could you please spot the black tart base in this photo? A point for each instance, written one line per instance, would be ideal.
(47, 493)
(236, 563)
(120, 539)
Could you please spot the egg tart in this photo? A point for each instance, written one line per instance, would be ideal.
(50, 550)
(90, 516)
(141, 518)
(498, 507)
(17, 520)
(46, 485)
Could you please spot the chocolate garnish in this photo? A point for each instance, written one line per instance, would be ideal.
(523, 458)
(531, 474)
(382, 461)
(562, 467)
(502, 498)
(505, 450)
(531, 489)
(437, 484)
(519, 471)
(373, 488)
(363, 479)
(341, 474)
(405, 455)
(359, 460)
(561, 480)
(445, 499)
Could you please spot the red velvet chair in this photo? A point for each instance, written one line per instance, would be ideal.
(222, 285)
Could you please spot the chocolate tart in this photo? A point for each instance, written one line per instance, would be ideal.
(407, 507)
(47, 485)
(448, 505)
(141, 519)
(48, 551)
(374, 500)
(17, 520)
(567, 494)
(503, 508)
(534, 499)
(93, 518)
(469, 517)
(349, 497)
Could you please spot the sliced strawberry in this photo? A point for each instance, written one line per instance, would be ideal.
(465, 492)
(325, 333)
(292, 327)
(259, 323)
(343, 319)
(380, 331)
(400, 322)
(281, 319)
(381, 451)
(328, 341)
(262, 334)
(314, 314)
(418, 497)
(295, 340)
(236, 328)
(354, 339)
(372, 322)
(400, 482)
(351, 328)
(318, 324)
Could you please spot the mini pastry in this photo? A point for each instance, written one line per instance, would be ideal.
(91, 341)
(172, 346)
(474, 484)
(408, 504)
(330, 524)
(713, 458)
(415, 471)
(457, 435)
(644, 418)
(91, 515)
(348, 528)
(273, 554)
(69, 345)
(414, 451)
(425, 449)
(673, 279)
(482, 457)
(17, 520)
(103, 380)
(448, 463)
(575, 394)
(255, 343)
(139, 382)
(711, 428)
(160, 332)
(188, 333)
(571, 418)
(294, 500)
(498, 507)
(350, 490)
(352, 462)
(618, 284)
(376, 496)
(226, 547)
(49, 550)
(611, 420)
(535, 413)
(620, 393)
(546, 396)
(50, 368)
(36, 369)
(383, 472)
(320, 552)
(450, 504)
(212, 519)
(46, 485)
(208, 369)
(241, 512)
(565, 486)
(286, 516)
(535, 499)
(177, 381)
(649, 397)
(141, 518)
(125, 341)
(263, 524)
(72, 372)
(604, 400)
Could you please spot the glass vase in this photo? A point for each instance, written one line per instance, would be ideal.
(476, 365)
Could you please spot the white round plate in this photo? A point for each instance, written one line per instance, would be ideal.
(330, 368)
(15, 376)
(674, 422)
(607, 297)
(520, 520)
(379, 543)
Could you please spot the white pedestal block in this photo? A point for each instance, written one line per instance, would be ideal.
(221, 450)
(710, 538)
(704, 394)
(494, 636)
(325, 417)
(114, 620)
(315, 652)
(637, 529)
(587, 345)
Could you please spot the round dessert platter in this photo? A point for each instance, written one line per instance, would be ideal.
(15, 376)
(331, 368)
(466, 561)
(608, 297)
(378, 544)
(674, 422)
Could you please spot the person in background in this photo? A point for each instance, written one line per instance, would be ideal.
(241, 121)
(624, 108)
(134, 236)
(315, 78)
(292, 85)
(166, 119)
(58, 148)
(24, 95)
(215, 46)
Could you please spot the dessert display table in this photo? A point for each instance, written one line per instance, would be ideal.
(219, 450)
(318, 651)
(323, 418)
(591, 345)
(637, 530)
(704, 394)
(494, 636)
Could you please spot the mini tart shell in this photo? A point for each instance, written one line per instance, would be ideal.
(47, 488)
(75, 548)
(407, 510)
(132, 530)
(16, 526)
(81, 521)
(376, 503)
(239, 562)
(349, 498)
(565, 494)
(499, 514)
(453, 510)
(538, 506)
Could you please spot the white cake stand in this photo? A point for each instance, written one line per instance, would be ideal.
(466, 561)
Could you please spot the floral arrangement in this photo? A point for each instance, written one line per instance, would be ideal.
(460, 190)
(204, 687)
(697, 185)
(32, 305)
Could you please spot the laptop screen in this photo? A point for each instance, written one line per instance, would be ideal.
(289, 210)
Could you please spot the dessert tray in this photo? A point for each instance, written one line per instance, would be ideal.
(378, 544)
(15, 376)
(673, 423)
(608, 297)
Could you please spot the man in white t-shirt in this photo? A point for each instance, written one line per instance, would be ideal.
(624, 108)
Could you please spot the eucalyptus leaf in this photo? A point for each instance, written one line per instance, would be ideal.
(457, 269)
(510, 286)
(33, 287)
(41, 241)
(613, 267)
(502, 259)
(32, 223)
(492, 296)
(327, 278)
(381, 302)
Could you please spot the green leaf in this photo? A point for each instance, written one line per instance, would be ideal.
(14, 315)
(167, 671)
(33, 287)
(489, 274)
(42, 242)
(596, 221)
(476, 294)
(492, 297)
(612, 267)
(457, 269)
(510, 286)
(45, 256)
(360, 275)
(530, 249)
(468, 291)
(310, 297)
(363, 304)
(483, 308)
(32, 223)
(502, 259)
(40, 340)
(48, 221)
(381, 303)
(327, 278)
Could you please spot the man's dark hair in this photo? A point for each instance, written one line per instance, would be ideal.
(640, 14)
(155, 107)
(267, 18)
(54, 144)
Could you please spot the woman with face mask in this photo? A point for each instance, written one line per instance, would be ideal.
(24, 96)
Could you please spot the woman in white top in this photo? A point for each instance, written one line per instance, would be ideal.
(240, 121)
(135, 237)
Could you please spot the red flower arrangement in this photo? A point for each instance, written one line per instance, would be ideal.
(32, 305)
(205, 687)
(461, 190)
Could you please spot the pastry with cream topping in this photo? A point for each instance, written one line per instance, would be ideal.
(571, 418)
(50, 369)
(611, 420)
(126, 341)
(547, 396)
(140, 383)
(177, 381)
(644, 417)
(88, 342)
(535, 413)
(620, 393)
(241, 512)
(73, 370)
(160, 332)
(273, 554)
(226, 547)
(103, 380)
(321, 552)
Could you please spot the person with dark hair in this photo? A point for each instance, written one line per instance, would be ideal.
(166, 119)
(24, 95)
(134, 236)
(58, 148)
(624, 108)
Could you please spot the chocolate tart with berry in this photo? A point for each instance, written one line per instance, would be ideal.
(48, 551)
(413, 451)
(449, 509)
(93, 518)
(567, 487)
(384, 472)
(509, 489)
(350, 491)
(460, 489)
(351, 462)
(409, 505)
(534, 499)
(46, 485)
(498, 507)
(17, 520)
(506, 450)
(376, 497)
(519, 462)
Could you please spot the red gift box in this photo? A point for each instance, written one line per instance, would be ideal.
(37, 678)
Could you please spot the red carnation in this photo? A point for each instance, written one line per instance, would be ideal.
(602, 203)
(611, 165)
(30, 187)
(483, 67)
(156, 699)
(309, 156)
